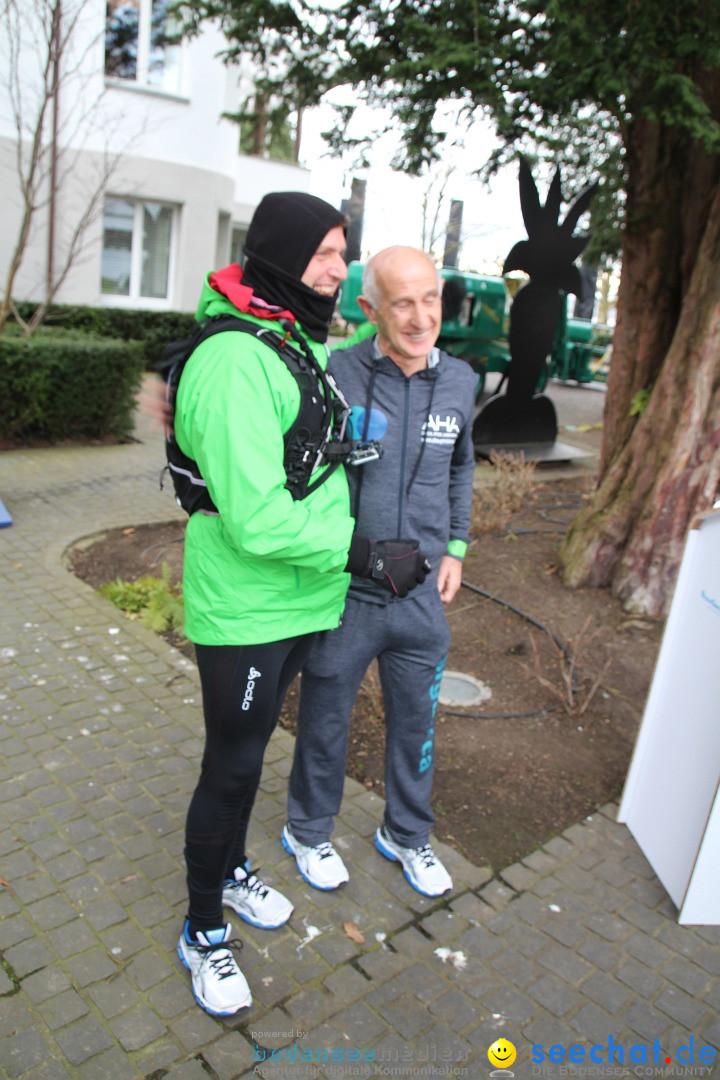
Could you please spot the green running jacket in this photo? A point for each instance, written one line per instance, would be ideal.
(268, 567)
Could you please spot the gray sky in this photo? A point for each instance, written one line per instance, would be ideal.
(492, 221)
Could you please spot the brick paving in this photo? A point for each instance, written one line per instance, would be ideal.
(101, 733)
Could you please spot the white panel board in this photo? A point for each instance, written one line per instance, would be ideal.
(701, 904)
(672, 785)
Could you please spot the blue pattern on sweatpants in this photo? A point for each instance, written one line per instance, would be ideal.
(410, 639)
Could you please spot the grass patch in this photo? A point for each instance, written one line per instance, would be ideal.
(154, 601)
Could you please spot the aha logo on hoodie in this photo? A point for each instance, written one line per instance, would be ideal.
(439, 431)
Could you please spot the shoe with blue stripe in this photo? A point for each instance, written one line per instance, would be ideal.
(254, 901)
(421, 866)
(320, 866)
(218, 983)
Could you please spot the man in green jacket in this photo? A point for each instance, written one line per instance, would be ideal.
(267, 565)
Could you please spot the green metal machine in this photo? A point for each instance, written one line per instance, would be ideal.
(581, 350)
(477, 329)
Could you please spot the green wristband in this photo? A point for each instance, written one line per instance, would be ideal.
(457, 549)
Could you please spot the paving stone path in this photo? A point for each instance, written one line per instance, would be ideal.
(101, 734)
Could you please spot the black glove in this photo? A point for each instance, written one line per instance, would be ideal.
(396, 565)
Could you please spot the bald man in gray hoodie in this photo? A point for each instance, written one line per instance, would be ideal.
(418, 401)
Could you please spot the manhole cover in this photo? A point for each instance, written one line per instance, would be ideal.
(457, 688)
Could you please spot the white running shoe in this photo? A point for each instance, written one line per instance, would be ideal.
(421, 865)
(217, 982)
(321, 866)
(254, 901)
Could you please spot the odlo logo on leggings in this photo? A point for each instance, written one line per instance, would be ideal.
(253, 674)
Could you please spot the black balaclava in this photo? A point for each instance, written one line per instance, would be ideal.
(285, 232)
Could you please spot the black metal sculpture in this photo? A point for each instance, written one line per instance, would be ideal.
(520, 417)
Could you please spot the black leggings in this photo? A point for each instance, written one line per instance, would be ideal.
(243, 688)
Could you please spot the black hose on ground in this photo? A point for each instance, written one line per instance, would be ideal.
(534, 622)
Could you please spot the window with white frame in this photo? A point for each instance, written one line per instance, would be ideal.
(237, 243)
(141, 44)
(137, 247)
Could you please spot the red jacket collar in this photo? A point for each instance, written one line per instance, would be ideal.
(228, 282)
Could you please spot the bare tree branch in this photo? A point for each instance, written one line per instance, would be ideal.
(49, 61)
(434, 198)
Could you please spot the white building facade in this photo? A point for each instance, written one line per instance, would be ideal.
(138, 135)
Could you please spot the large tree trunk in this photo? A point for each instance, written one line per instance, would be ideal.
(661, 469)
(649, 295)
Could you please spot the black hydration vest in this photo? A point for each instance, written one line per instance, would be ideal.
(316, 437)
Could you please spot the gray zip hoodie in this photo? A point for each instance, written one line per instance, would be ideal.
(421, 488)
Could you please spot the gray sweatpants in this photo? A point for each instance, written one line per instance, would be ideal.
(410, 639)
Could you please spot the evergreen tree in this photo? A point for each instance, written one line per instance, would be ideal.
(625, 91)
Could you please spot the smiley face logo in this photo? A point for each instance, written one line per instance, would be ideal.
(502, 1054)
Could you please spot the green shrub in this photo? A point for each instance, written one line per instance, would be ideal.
(156, 602)
(62, 384)
(151, 329)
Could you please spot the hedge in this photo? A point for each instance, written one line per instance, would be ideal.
(152, 329)
(63, 384)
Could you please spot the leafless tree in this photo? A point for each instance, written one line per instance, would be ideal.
(46, 78)
(434, 199)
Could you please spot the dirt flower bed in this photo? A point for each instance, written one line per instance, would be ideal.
(568, 672)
